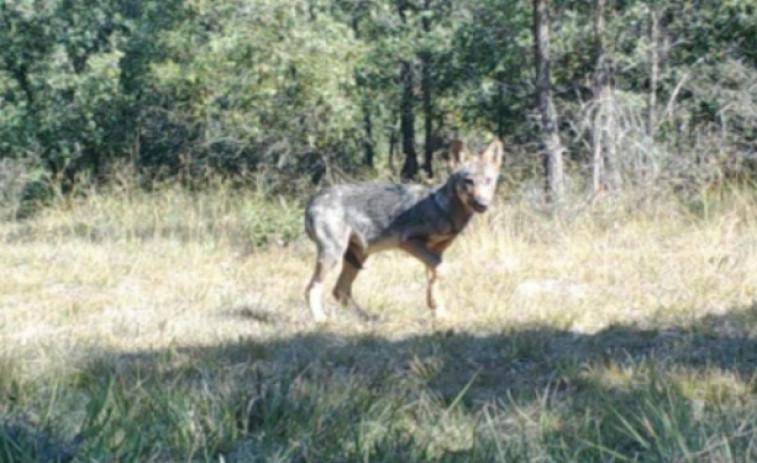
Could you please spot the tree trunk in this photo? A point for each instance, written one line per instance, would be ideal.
(407, 122)
(604, 146)
(368, 137)
(501, 111)
(368, 151)
(552, 148)
(425, 57)
(653, 73)
(392, 146)
(428, 121)
(598, 84)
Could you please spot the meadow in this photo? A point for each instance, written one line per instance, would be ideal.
(170, 326)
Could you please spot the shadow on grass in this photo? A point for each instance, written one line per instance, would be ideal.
(533, 392)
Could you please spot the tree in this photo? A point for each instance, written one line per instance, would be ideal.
(407, 104)
(603, 121)
(426, 93)
(552, 148)
(407, 120)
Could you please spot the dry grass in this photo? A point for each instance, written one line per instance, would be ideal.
(171, 326)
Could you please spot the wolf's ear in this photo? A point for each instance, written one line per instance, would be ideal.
(458, 154)
(493, 153)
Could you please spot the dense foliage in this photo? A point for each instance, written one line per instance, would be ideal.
(299, 89)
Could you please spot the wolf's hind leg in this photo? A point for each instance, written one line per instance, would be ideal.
(343, 289)
(352, 263)
(314, 290)
(330, 250)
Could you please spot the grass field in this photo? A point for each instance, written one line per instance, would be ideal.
(171, 327)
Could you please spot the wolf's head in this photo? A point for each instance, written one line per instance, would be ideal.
(475, 177)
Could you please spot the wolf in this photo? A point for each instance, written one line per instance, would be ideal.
(350, 222)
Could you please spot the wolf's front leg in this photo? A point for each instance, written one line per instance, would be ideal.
(434, 272)
(433, 297)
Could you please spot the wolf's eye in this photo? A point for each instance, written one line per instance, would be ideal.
(468, 182)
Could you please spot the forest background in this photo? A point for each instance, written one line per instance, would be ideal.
(625, 94)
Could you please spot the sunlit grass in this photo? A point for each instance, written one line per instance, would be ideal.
(170, 327)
